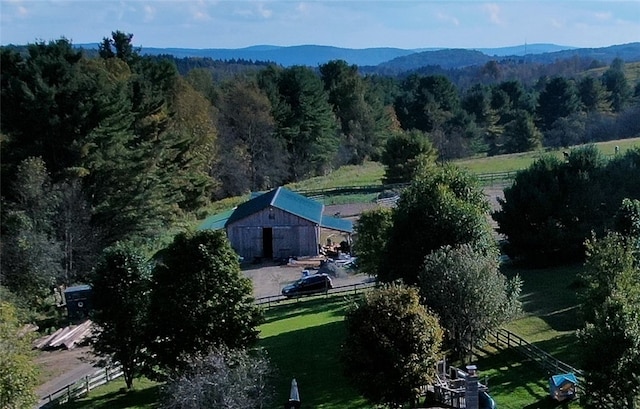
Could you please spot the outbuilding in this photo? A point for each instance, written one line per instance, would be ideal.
(563, 387)
(276, 225)
(78, 300)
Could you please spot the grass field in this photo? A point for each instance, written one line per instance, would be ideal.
(303, 340)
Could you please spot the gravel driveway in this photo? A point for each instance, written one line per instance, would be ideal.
(268, 279)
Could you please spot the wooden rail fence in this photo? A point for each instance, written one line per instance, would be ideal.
(485, 179)
(551, 365)
(273, 301)
(81, 387)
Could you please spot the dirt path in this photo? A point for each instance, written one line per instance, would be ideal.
(59, 368)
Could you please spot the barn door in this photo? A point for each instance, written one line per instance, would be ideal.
(267, 242)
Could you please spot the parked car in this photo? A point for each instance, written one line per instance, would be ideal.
(310, 284)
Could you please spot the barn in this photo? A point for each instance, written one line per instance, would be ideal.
(277, 224)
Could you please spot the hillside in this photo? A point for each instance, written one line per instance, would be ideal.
(313, 55)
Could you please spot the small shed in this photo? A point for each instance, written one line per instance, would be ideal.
(78, 300)
(276, 225)
(563, 387)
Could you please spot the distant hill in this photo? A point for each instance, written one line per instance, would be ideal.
(400, 59)
(524, 49)
(309, 55)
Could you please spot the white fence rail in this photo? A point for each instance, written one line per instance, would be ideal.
(81, 387)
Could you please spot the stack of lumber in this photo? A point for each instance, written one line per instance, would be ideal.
(67, 337)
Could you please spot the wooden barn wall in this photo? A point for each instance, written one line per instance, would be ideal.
(292, 235)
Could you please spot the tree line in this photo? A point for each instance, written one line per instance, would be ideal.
(129, 129)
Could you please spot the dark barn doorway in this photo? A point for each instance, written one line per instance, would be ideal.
(267, 242)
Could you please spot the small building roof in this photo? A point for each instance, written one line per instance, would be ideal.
(216, 221)
(82, 287)
(558, 380)
(335, 223)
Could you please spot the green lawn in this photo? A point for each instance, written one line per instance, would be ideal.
(114, 396)
(302, 340)
(549, 321)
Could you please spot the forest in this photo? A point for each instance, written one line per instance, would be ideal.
(99, 148)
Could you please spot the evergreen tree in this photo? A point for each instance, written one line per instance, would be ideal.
(558, 99)
(361, 115)
(304, 121)
(426, 103)
(593, 95)
(615, 81)
(521, 134)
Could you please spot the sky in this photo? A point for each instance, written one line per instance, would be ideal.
(341, 23)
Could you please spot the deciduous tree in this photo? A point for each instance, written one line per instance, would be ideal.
(403, 153)
(392, 345)
(372, 233)
(199, 300)
(121, 286)
(225, 378)
(444, 205)
(470, 295)
(610, 339)
(253, 157)
(18, 374)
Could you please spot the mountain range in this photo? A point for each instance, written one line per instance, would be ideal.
(314, 55)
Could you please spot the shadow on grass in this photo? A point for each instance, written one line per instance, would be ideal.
(311, 356)
(337, 304)
(144, 398)
(550, 294)
(563, 347)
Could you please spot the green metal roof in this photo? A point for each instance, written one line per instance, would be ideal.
(282, 199)
(216, 221)
(335, 223)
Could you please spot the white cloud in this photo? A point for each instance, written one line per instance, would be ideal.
(604, 16)
(149, 13)
(264, 11)
(493, 10)
(448, 18)
(557, 23)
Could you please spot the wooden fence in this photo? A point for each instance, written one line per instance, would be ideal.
(550, 364)
(485, 179)
(273, 301)
(497, 178)
(81, 387)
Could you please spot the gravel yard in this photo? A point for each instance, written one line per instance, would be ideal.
(268, 279)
